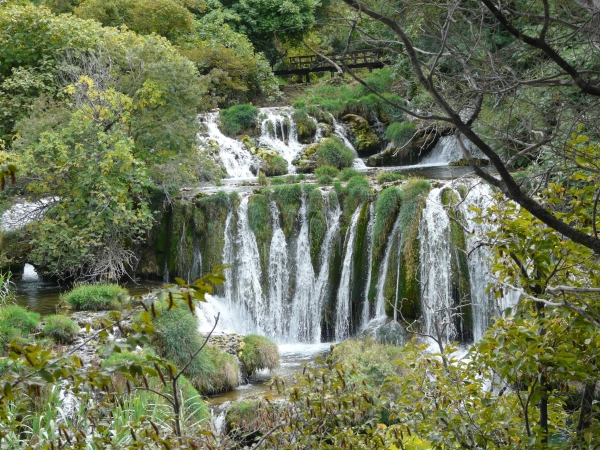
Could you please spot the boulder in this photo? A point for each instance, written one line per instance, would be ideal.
(365, 139)
(385, 331)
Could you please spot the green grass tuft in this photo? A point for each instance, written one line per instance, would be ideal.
(400, 133)
(20, 319)
(348, 173)
(388, 177)
(60, 328)
(95, 297)
(259, 353)
(332, 152)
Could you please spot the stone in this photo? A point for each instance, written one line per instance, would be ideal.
(385, 331)
(365, 139)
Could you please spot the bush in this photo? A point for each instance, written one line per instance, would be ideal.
(358, 190)
(7, 334)
(60, 328)
(20, 319)
(275, 165)
(400, 133)
(306, 125)
(259, 353)
(388, 177)
(277, 180)
(193, 407)
(96, 297)
(325, 179)
(348, 173)
(176, 336)
(238, 118)
(262, 179)
(332, 152)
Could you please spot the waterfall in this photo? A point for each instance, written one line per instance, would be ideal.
(434, 235)
(334, 213)
(340, 132)
(278, 278)
(29, 273)
(284, 138)
(370, 228)
(380, 287)
(305, 314)
(448, 150)
(484, 305)
(236, 158)
(342, 317)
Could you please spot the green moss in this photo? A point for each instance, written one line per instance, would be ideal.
(96, 297)
(348, 173)
(60, 328)
(259, 353)
(386, 210)
(400, 133)
(181, 255)
(306, 125)
(389, 177)
(413, 196)
(357, 191)
(259, 218)
(360, 267)
(365, 138)
(317, 224)
(274, 166)
(462, 190)
(209, 219)
(326, 170)
(288, 200)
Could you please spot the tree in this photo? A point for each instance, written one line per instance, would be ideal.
(492, 71)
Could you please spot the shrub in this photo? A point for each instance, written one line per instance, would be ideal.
(277, 180)
(300, 177)
(306, 125)
(176, 336)
(60, 328)
(357, 191)
(400, 133)
(259, 353)
(388, 177)
(7, 334)
(96, 297)
(348, 173)
(238, 118)
(325, 179)
(275, 165)
(194, 409)
(262, 179)
(326, 170)
(20, 319)
(332, 152)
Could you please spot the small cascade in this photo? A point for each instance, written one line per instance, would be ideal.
(305, 313)
(435, 256)
(448, 150)
(280, 133)
(229, 259)
(333, 226)
(29, 274)
(342, 318)
(278, 278)
(484, 305)
(370, 227)
(340, 132)
(237, 159)
(380, 287)
(195, 271)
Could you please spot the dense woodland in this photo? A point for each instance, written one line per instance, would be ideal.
(98, 124)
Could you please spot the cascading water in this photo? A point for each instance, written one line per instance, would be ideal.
(448, 150)
(278, 278)
(380, 287)
(370, 228)
(484, 304)
(280, 133)
(342, 317)
(243, 290)
(333, 225)
(304, 309)
(435, 256)
(237, 160)
(340, 132)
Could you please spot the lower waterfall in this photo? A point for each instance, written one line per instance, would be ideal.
(300, 280)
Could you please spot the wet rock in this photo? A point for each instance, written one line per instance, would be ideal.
(385, 331)
(365, 139)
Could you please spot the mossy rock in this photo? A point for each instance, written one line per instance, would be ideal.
(464, 162)
(366, 140)
(259, 353)
(306, 125)
(259, 219)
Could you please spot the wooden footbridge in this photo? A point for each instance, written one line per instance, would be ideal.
(357, 59)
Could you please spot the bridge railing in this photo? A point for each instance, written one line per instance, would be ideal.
(355, 57)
